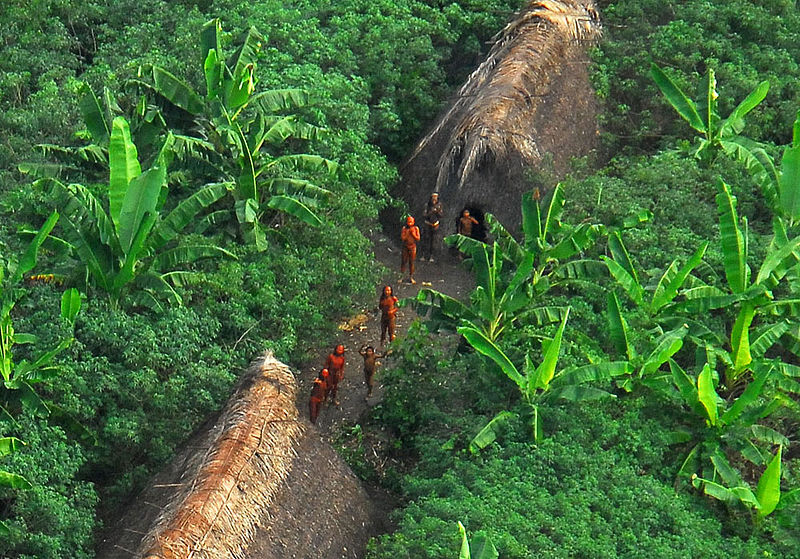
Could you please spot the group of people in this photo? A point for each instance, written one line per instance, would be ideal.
(326, 386)
(410, 235)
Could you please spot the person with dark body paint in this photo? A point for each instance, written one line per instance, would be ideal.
(370, 366)
(410, 237)
(433, 214)
(388, 308)
(465, 223)
(335, 364)
(319, 390)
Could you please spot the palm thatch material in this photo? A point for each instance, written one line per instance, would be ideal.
(527, 99)
(209, 501)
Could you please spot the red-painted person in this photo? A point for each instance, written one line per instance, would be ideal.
(335, 364)
(370, 366)
(388, 307)
(410, 237)
(319, 390)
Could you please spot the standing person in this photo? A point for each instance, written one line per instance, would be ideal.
(410, 237)
(370, 366)
(319, 390)
(335, 364)
(388, 307)
(465, 223)
(433, 213)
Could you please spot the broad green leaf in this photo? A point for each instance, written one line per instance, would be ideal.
(28, 259)
(728, 474)
(247, 54)
(768, 435)
(768, 492)
(617, 327)
(123, 165)
(734, 123)
(687, 388)
(594, 372)
(135, 253)
(185, 213)
(531, 219)
(70, 304)
(213, 71)
(740, 338)
(304, 189)
(140, 200)
(538, 432)
(577, 393)
(275, 100)
(750, 395)
(93, 115)
(667, 345)
(177, 92)
(620, 255)
(628, 283)
(246, 183)
(9, 445)
(673, 279)
(707, 395)
(483, 548)
(779, 261)
(488, 434)
(301, 163)
(13, 481)
(759, 165)
(95, 257)
(551, 218)
(485, 346)
(186, 254)
(766, 337)
(464, 553)
(790, 183)
(733, 243)
(547, 369)
(678, 99)
(294, 208)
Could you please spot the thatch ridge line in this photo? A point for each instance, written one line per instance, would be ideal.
(239, 476)
(492, 110)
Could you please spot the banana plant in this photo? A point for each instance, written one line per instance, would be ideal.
(126, 243)
(481, 548)
(549, 243)
(717, 134)
(767, 498)
(243, 134)
(542, 383)
(720, 426)
(511, 275)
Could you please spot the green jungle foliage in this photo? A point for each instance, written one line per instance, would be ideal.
(142, 374)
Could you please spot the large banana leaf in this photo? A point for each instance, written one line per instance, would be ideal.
(70, 304)
(94, 256)
(177, 92)
(123, 165)
(740, 338)
(247, 53)
(170, 259)
(617, 328)
(594, 372)
(734, 251)
(766, 337)
(13, 481)
(276, 100)
(686, 388)
(678, 99)
(778, 262)
(768, 492)
(28, 259)
(487, 347)
(631, 286)
(186, 212)
(790, 183)
(621, 256)
(301, 163)
(734, 123)
(93, 115)
(133, 255)
(547, 368)
(707, 395)
(667, 345)
(211, 54)
(9, 445)
(488, 434)
(295, 208)
(246, 183)
(758, 164)
(551, 219)
(140, 199)
(296, 188)
(80, 205)
(750, 396)
(673, 279)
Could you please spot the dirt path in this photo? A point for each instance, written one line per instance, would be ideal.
(445, 275)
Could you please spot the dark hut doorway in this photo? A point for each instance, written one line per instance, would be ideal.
(479, 230)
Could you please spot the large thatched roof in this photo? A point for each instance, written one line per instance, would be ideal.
(240, 488)
(529, 105)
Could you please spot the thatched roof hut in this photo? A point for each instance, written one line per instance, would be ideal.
(528, 106)
(240, 488)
